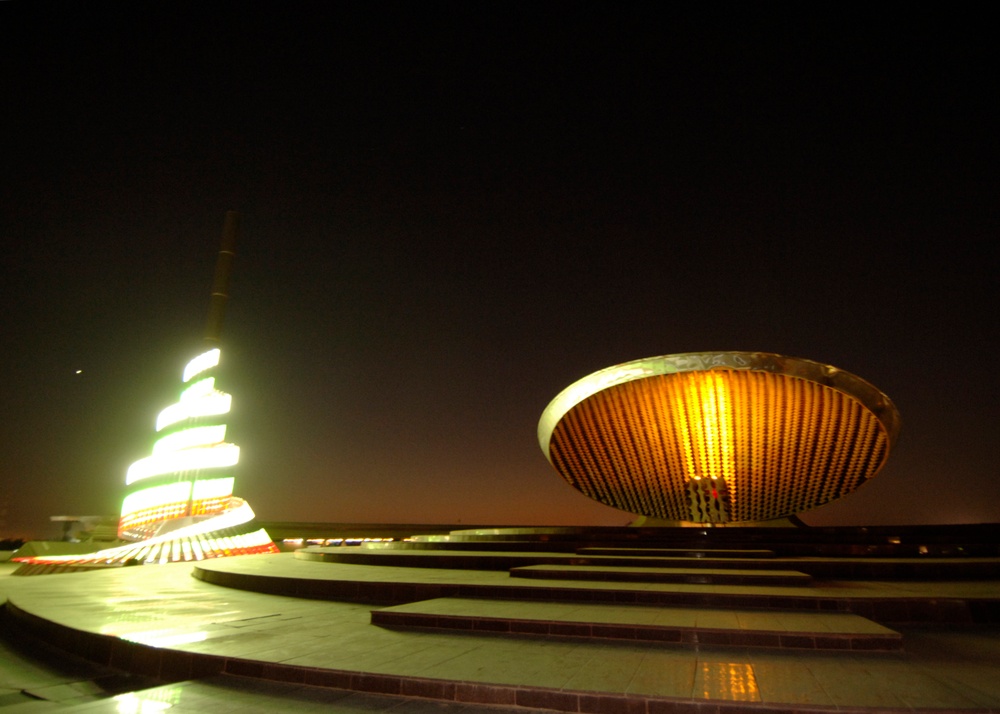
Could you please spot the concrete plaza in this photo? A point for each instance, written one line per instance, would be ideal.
(210, 647)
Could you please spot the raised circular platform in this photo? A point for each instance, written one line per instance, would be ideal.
(474, 636)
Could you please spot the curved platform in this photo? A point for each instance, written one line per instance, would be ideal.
(365, 628)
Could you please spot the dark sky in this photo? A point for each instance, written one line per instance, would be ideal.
(453, 211)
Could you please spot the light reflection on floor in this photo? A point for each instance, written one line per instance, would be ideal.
(149, 701)
(732, 681)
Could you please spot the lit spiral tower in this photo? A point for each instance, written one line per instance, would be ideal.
(179, 502)
(186, 485)
(183, 491)
(187, 476)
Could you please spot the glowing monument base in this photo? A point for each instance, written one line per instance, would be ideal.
(220, 536)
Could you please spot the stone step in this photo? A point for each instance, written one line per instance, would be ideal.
(925, 603)
(680, 626)
(696, 576)
(679, 552)
(478, 560)
(869, 568)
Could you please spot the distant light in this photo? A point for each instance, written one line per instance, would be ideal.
(79, 371)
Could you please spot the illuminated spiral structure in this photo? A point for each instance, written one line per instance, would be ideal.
(718, 437)
(182, 494)
(187, 476)
(179, 503)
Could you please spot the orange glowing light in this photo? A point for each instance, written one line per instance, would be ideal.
(718, 437)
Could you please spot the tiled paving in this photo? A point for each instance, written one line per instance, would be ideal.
(160, 621)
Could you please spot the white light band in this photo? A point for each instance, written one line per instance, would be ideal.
(199, 364)
(190, 438)
(212, 457)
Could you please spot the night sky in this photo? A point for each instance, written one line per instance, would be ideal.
(453, 211)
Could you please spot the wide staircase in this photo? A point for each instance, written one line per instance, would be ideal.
(747, 587)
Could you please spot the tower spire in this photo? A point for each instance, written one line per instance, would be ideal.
(220, 283)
